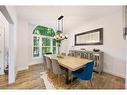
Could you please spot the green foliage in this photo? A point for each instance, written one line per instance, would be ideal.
(46, 50)
(36, 41)
(46, 42)
(36, 51)
(54, 42)
(54, 50)
(41, 30)
(58, 42)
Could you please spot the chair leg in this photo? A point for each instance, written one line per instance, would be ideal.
(91, 83)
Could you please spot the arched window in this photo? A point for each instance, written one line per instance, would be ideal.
(43, 42)
(45, 31)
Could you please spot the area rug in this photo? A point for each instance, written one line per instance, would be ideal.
(99, 81)
(51, 82)
(47, 83)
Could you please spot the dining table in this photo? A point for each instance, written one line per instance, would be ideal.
(70, 64)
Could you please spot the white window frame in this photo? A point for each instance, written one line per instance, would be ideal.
(40, 45)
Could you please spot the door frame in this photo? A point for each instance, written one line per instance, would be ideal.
(3, 47)
(6, 11)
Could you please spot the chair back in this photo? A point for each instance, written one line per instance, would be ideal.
(78, 54)
(44, 59)
(86, 72)
(86, 55)
(69, 54)
(49, 65)
(64, 54)
(56, 67)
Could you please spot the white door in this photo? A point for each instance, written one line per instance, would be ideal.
(1, 50)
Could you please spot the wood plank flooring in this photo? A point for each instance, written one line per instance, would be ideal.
(99, 81)
(30, 79)
(26, 79)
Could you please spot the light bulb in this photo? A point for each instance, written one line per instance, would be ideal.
(57, 36)
(66, 36)
(61, 35)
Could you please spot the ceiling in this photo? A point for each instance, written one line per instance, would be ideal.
(73, 15)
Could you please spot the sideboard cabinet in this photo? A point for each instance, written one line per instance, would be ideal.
(92, 55)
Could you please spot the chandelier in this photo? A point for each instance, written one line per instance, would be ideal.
(59, 34)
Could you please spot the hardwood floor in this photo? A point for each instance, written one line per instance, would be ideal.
(103, 81)
(30, 79)
(26, 79)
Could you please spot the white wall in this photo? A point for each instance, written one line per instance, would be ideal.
(30, 28)
(22, 45)
(114, 45)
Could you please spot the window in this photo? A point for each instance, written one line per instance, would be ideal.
(35, 46)
(54, 46)
(43, 42)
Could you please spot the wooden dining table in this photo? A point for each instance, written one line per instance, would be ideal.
(70, 63)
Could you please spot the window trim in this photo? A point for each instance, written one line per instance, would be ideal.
(40, 45)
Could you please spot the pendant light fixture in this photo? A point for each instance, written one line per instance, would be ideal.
(59, 34)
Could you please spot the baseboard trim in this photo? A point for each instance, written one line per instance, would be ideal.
(34, 63)
(2, 73)
(114, 74)
(23, 68)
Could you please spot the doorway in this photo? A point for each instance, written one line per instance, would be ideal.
(10, 39)
(4, 30)
(1, 50)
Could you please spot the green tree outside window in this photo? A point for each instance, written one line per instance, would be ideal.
(46, 41)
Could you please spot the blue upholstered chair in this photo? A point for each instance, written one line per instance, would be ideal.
(85, 73)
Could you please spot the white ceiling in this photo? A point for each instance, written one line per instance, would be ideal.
(73, 15)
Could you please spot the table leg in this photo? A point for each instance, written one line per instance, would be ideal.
(67, 80)
(67, 76)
